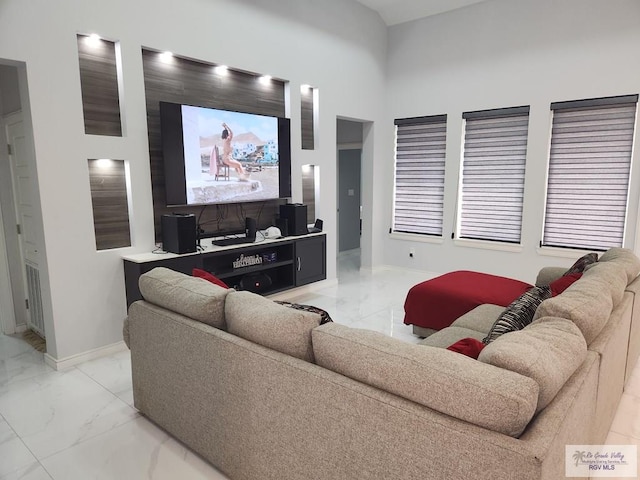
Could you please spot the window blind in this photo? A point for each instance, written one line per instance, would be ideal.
(588, 177)
(495, 151)
(419, 174)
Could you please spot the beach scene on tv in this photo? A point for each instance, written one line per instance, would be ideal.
(229, 156)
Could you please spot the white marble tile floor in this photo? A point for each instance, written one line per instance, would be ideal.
(81, 423)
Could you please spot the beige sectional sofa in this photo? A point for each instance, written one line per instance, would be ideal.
(263, 391)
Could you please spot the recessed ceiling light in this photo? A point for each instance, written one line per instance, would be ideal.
(93, 39)
(221, 69)
(166, 57)
(265, 79)
(104, 162)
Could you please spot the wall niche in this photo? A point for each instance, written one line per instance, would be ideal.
(98, 63)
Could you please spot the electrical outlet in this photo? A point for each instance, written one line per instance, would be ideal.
(412, 252)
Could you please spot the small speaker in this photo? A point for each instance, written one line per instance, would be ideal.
(250, 227)
(179, 233)
(283, 225)
(256, 282)
(296, 215)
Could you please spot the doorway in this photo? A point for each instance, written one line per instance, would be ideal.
(21, 306)
(349, 198)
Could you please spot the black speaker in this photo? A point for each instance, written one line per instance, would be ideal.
(296, 216)
(250, 227)
(179, 233)
(256, 282)
(283, 225)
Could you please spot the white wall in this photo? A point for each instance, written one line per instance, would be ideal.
(303, 41)
(505, 53)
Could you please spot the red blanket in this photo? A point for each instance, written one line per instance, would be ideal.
(436, 303)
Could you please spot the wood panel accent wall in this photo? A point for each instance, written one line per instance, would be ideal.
(306, 111)
(191, 82)
(309, 191)
(108, 182)
(99, 85)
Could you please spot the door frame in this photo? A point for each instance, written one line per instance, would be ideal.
(7, 312)
(15, 288)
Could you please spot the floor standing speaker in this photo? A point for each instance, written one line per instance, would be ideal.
(296, 215)
(179, 233)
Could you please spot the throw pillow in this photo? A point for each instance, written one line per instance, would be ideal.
(324, 316)
(197, 272)
(582, 263)
(560, 285)
(470, 347)
(519, 313)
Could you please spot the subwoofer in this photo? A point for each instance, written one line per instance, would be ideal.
(179, 233)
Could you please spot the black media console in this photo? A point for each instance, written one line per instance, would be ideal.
(289, 262)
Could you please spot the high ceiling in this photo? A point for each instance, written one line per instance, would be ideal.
(399, 11)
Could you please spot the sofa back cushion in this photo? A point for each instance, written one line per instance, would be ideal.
(444, 381)
(548, 351)
(589, 301)
(189, 296)
(262, 321)
(625, 259)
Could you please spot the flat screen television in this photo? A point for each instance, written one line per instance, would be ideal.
(214, 156)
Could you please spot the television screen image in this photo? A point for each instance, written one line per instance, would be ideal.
(229, 156)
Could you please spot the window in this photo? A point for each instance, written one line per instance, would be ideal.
(419, 175)
(492, 190)
(588, 178)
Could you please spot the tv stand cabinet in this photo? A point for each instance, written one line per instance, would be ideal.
(288, 262)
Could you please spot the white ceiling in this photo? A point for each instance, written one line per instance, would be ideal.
(399, 11)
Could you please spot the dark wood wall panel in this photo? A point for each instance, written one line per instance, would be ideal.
(306, 112)
(99, 85)
(190, 82)
(108, 182)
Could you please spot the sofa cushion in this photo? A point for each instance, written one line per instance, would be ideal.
(519, 313)
(480, 319)
(444, 381)
(448, 336)
(189, 296)
(266, 323)
(625, 259)
(548, 351)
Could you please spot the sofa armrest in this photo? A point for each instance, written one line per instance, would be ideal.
(548, 274)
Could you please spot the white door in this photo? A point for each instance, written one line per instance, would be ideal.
(20, 157)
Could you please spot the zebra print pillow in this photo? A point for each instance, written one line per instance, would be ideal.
(519, 313)
(324, 316)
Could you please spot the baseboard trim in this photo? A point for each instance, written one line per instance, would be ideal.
(73, 360)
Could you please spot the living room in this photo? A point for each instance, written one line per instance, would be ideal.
(494, 54)
(544, 56)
